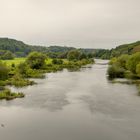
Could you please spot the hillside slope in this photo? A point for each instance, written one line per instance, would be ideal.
(20, 49)
(125, 49)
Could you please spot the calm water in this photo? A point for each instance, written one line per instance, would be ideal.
(73, 106)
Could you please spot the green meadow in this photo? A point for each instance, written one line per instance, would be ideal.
(17, 61)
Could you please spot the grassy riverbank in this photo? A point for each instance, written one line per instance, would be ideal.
(17, 72)
(8, 95)
(126, 66)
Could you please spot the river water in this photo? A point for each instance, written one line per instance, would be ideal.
(80, 105)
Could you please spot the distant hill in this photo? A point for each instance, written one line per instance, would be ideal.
(125, 49)
(59, 49)
(20, 49)
(119, 50)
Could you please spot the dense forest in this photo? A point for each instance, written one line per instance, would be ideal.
(20, 49)
(119, 50)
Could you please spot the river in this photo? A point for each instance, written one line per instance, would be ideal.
(80, 105)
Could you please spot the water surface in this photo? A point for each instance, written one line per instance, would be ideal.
(80, 105)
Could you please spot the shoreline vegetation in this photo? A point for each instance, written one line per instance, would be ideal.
(16, 72)
(19, 62)
(125, 66)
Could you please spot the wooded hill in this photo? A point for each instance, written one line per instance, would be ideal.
(119, 50)
(126, 49)
(20, 49)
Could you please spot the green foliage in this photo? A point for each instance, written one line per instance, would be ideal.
(2, 83)
(73, 55)
(113, 61)
(102, 53)
(3, 71)
(121, 61)
(36, 60)
(15, 61)
(83, 56)
(116, 72)
(57, 61)
(19, 48)
(18, 81)
(25, 70)
(127, 65)
(138, 69)
(90, 55)
(133, 62)
(8, 95)
(6, 55)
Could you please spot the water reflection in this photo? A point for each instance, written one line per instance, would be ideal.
(80, 105)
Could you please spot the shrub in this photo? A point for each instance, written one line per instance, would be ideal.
(57, 61)
(116, 72)
(73, 55)
(18, 81)
(132, 62)
(138, 70)
(122, 60)
(8, 95)
(36, 60)
(3, 71)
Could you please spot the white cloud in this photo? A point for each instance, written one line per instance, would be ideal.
(82, 23)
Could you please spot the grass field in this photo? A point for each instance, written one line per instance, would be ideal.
(17, 61)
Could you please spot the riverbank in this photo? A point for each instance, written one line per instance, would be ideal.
(53, 106)
(34, 66)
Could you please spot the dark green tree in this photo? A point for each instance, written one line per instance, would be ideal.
(73, 55)
(36, 60)
(3, 71)
(133, 62)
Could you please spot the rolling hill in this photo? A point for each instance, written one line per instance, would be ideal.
(20, 49)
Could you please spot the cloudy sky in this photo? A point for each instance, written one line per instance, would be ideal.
(78, 23)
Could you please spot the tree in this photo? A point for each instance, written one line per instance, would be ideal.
(116, 72)
(57, 61)
(73, 55)
(132, 62)
(3, 71)
(82, 56)
(8, 55)
(138, 70)
(36, 60)
(90, 55)
(122, 60)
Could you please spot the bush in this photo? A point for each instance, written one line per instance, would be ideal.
(57, 61)
(3, 71)
(36, 60)
(138, 70)
(73, 55)
(18, 81)
(27, 72)
(8, 95)
(116, 72)
(133, 62)
(122, 60)
(6, 55)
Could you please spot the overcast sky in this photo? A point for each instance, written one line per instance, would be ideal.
(78, 23)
